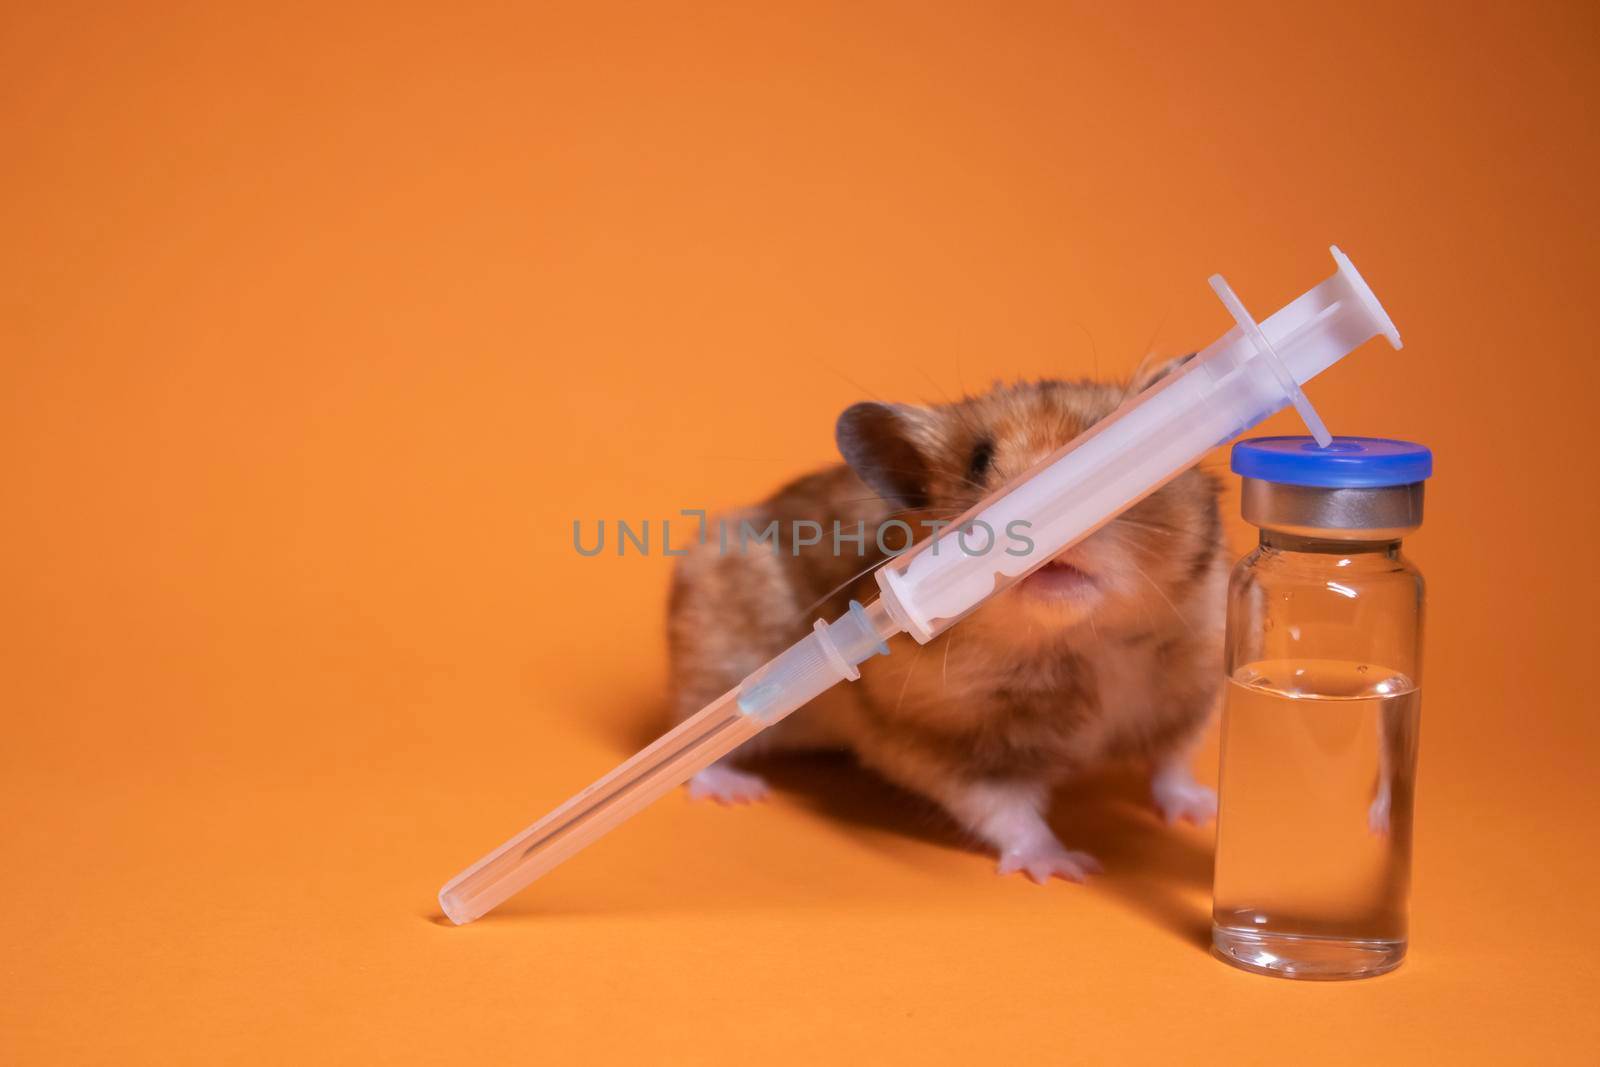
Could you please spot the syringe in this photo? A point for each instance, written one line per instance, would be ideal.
(1251, 372)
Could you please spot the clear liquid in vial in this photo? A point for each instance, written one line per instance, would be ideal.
(1314, 827)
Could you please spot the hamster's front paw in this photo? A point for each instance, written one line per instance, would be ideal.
(1180, 798)
(727, 785)
(1041, 860)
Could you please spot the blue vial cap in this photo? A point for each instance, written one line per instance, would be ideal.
(1347, 463)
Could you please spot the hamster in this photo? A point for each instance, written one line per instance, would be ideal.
(1111, 651)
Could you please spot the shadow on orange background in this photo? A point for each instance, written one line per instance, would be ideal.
(321, 326)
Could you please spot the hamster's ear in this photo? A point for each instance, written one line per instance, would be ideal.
(886, 445)
(1149, 373)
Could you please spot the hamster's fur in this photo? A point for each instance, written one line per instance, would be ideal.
(1111, 651)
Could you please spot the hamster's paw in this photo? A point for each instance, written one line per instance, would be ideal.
(727, 785)
(1042, 860)
(1184, 800)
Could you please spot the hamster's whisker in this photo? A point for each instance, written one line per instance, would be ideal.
(948, 472)
(1127, 390)
(944, 393)
(895, 511)
(842, 586)
(910, 669)
(1153, 527)
(955, 407)
(869, 568)
(951, 473)
(1181, 617)
(784, 460)
(944, 669)
(842, 376)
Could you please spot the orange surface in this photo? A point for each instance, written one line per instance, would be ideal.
(320, 327)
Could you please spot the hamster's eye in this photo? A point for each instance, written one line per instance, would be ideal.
(982, 457)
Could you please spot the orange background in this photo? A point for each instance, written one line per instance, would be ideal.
(320, 327)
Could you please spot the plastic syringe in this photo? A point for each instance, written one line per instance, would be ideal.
(1249, 373)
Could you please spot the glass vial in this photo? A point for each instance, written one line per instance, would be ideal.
(1319, 725)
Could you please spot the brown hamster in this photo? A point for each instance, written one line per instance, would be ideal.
(1111, 651)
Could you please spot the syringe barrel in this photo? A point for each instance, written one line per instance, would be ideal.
(1227, 388)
